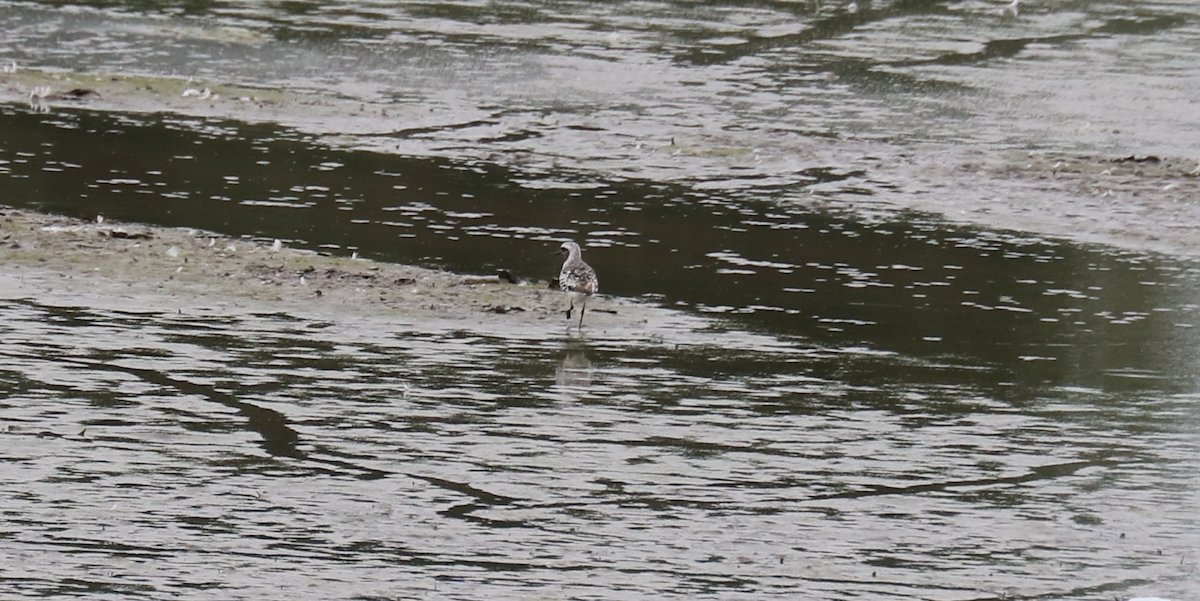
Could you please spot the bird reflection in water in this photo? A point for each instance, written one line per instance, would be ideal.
(575, 369)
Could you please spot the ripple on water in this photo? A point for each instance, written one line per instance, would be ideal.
(190, 452)
(937, 412)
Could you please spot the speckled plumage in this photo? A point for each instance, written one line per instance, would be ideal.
(576, 278)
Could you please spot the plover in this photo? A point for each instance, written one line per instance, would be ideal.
(576, 278)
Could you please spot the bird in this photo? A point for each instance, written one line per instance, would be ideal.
(576, 278)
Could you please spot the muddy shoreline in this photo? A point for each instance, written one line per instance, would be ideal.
(139, 267)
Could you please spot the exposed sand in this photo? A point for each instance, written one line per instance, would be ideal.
(48, 256)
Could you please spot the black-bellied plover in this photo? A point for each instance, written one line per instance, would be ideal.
(576, 278)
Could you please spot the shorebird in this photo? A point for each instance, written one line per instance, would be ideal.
(576, 278)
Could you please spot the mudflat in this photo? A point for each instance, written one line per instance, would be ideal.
(139, 267)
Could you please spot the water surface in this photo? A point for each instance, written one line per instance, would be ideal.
(874, 404)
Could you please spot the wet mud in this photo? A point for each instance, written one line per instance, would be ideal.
(1140, 202)
(143, 265)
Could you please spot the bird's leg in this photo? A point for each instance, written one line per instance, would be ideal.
(582, 309)
(571, 308)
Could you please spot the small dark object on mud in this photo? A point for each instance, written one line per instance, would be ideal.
(1136, 159)
(79, 94)
(506, 276)
(124, 235)
(503, 309)
(333, 273)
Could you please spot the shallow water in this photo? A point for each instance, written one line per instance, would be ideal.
(888, 407)
(874, 405)
(152, 454)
